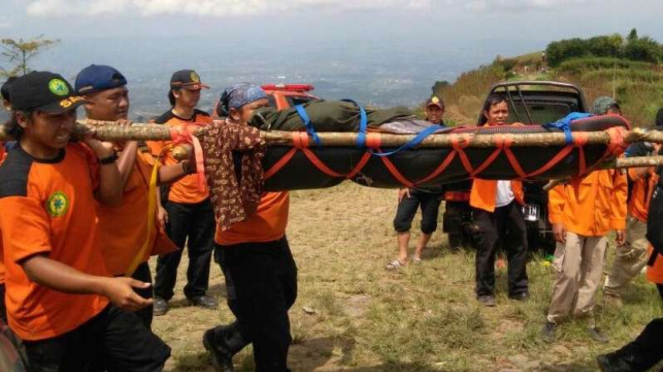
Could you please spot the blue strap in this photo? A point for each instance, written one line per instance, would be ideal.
(307, 123)
(414, 142)
(363, 124)
(565, 124)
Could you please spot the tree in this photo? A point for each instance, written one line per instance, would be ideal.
(19, 53)
(632, 36)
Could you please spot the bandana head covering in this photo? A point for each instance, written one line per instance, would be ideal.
(238, 95)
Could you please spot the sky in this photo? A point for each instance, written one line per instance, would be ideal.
(410, 43)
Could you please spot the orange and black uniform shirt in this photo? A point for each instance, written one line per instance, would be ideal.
(187, 190)
(48, 208)
(592, 207)
(266, 225)
(641, 193)
(123, 229)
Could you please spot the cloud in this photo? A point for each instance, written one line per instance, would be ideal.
(5, 22)
(213, 8)
(521, 5)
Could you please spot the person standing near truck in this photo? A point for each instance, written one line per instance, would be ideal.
(582, 214)
(498, 217)
(631, 257)
(428, 198)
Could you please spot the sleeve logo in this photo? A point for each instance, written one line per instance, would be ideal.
(57, 204)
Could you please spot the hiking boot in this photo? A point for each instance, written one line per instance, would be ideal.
(488, 301)
(597, 335)
(548, 332)
(612, 363)
(522, 297)
(205, 302)
(222, 357)
(160, 306)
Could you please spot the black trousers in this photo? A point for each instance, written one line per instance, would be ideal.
(508, 225)
(645, 351)
(261, 281)
(3, 307)
(113, 341)
(195, 222)
(407, 209)
(143, 274)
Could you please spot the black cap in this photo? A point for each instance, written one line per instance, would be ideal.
(435, 101)
(186, 79)
(4, 91)
(44, 91)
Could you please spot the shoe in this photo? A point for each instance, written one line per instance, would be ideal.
(522, 297)
(597, 335)
(612, 363)
(488, 301)
(206, 302)
(613, 301)
(222, 357)
(548, 332)
(160, 306)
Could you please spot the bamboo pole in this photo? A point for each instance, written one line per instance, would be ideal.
(109, 131)
(619, 163)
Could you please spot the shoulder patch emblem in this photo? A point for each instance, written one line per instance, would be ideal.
(57, 204)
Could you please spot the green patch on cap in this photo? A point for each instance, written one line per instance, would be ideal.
(58, 87)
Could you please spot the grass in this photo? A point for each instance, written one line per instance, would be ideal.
(420, 318)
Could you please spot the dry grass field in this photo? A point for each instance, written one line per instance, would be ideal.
(421, 318)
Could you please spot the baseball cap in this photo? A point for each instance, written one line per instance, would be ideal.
(4, 90)
(602, 105)
(95, 78)
(187, 79)
(44, 91)
(435, 101)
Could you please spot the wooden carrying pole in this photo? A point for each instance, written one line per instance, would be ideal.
(619, 163)
(109, 131)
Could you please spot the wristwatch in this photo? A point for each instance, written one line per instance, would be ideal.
(108, 160)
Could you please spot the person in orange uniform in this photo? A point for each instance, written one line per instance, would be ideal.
(6, 104)
(61, 302)
(107, 99)
(631, 257)
(190, 217)
(643, 353)
(260, 272)
(582, 214)
(498, 216)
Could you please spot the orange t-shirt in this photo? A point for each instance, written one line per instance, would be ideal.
(123, 229)
(593, 207)
(48, 208)
(187, 190)
(638, 204)
(655, 273)
(3, 153)
(266, 225)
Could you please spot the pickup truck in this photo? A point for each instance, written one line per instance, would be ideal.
(530, 102)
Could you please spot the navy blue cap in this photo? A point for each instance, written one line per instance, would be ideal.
(95, 78)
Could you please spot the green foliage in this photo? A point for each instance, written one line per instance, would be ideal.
(634, 48)
(19, 53)
(579, 65)
(643, 49)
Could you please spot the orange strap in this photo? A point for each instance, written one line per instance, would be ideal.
(185, 134)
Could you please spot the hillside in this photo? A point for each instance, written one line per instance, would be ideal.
(636, 85)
